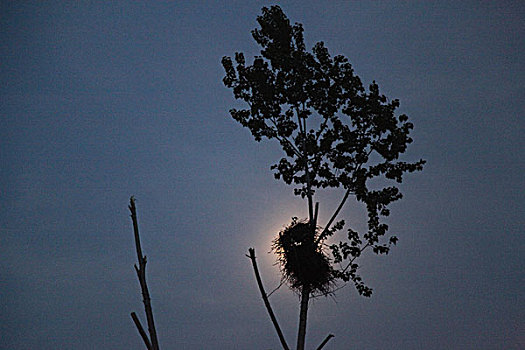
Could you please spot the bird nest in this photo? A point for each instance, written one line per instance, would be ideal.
(301, 258)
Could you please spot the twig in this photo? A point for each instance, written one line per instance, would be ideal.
(276, 288)
(328, 337)
(355, 257)
(141, 330)
(334, 216)
(265, 299)
(141, 274)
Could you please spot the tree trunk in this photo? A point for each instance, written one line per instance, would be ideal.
(303, 314)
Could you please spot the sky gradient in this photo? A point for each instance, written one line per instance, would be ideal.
(103, 100)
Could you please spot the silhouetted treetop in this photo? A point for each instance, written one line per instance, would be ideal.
(317, 108)
(333, 131)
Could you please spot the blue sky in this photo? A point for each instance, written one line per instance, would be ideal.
(104, 100)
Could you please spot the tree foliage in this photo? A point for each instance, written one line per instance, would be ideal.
(333, 131)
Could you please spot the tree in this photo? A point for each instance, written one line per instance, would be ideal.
(334, 134)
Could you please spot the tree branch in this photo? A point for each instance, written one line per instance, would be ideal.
(276, 288)
(334, 216)
(321, 128)
(355, 257)
(265, 299)
(345, 197)
(316, 213)
(302, 130)
(282, 138)
(141, 274)
(328, 337)
(141, 331)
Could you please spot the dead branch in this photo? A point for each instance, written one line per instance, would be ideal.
(151, 343)
(265, 299)
(328, 337)
(141, 331)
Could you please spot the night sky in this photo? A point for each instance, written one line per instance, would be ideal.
(103, 100)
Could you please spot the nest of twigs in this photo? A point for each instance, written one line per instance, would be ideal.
(302, 260)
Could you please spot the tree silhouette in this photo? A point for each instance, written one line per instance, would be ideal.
(334, 134)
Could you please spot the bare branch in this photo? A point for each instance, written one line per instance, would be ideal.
(265, 299)
(276, 288)
(133, 210)
(334, 216)
(141, 331)
(328, 337)
(141, 274)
